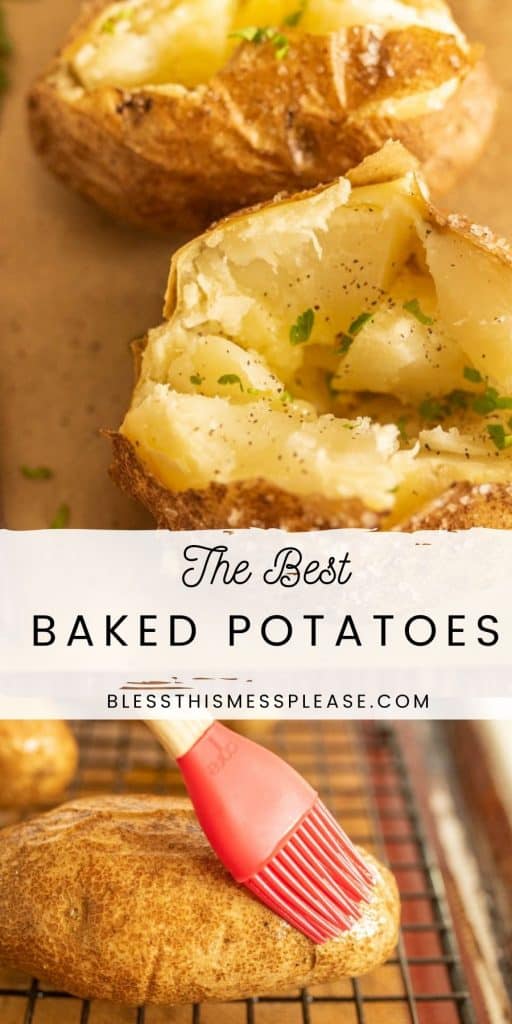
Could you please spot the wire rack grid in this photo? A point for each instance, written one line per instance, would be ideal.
(361, 772)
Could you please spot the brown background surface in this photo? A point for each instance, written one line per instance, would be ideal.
(75, 288)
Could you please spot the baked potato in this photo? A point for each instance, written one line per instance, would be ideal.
(170, 113)
(37, 762)
(337, 358)
(121, 898)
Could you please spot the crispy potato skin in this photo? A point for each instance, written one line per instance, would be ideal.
(38, 759)
(241, 505)
(258, 504)
(184, 157)
(121, 898)
(465, 506)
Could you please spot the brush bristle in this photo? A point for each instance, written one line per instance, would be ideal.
(316, 880)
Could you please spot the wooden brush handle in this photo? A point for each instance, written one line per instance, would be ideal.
(177, 737)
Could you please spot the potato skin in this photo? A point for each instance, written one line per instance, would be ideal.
(121, 898)
(183, 158)
(38, 759)
(465, 506)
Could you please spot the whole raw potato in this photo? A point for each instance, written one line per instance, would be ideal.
(122, 898)
(38, 759)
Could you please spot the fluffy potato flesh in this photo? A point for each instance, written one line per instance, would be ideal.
(142, 42)
(342, 343)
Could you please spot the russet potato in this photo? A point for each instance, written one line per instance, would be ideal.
(122, 898)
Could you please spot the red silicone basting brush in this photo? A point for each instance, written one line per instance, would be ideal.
(269, 828)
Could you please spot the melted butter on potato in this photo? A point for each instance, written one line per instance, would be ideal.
(141, 42)
(333, 344)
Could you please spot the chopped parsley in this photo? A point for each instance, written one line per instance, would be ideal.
(283, 395)
(473, 375)
(108, 26)
(498, 436)
(110, 23)
(333, 391)
(197, 379)
(36, 472)
(432, 410)
(61, 518)
(346, 338)
(300, 331)
(413, 307)
(5, 51)
(504, 402)
(486, 402)
(458, 399)
(358, 324)
(231, 378)
(345, 341)
(491, 400)
(402, 424)
(293, 19)
(264, 34)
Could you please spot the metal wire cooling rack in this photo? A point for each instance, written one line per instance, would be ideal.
(362, 774)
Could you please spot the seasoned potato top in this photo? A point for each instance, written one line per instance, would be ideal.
(122, 898)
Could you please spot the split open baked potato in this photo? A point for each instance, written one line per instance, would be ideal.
(170, 113)
(122, 898)
(337, 358)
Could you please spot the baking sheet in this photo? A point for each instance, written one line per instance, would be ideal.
(75, 288)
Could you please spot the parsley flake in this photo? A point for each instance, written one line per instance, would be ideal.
(345, 341)
(487, 402)
(263, 34)
(457, 399)
(346, 338)
(231, 378)
(301, 330)
(473, 375)
(197, 379)
(402, 424)
(432, 410)
(358, 324)
(36, 472)
(61, 518)
(5, 51)
(293, 19)
(329, 383)
(110, 23)
(413, 307)
(498, 436)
